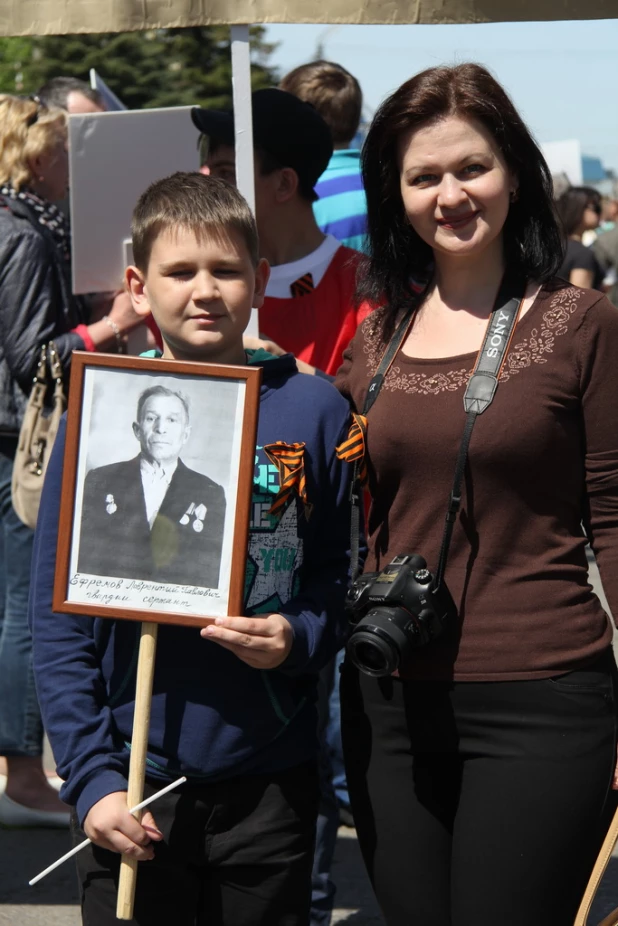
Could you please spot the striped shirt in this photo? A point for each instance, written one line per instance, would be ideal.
(341, 210)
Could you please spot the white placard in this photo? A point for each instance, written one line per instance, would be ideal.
(114, 156)
(565, 157)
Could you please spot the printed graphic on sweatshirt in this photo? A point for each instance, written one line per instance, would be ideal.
(275, 552)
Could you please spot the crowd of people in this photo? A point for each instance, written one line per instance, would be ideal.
(472, 740)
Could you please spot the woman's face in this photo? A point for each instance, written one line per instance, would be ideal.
(591, 216)
(455, 186)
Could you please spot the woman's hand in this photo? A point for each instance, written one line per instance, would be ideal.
(109, 824)
(615, 781)
(261, 642)
(262, 343)
(110, 330)
(123, 314)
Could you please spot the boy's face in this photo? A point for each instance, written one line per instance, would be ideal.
(200, 293)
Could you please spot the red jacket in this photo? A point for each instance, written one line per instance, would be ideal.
(318, 326)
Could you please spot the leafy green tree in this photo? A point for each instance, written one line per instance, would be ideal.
(166, 67)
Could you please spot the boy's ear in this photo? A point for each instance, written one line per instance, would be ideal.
(287, 184)
(262, 273)
(136, 286)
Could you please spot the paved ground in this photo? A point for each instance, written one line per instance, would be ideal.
(53, 902)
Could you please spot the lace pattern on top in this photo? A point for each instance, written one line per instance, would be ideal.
(522, 354)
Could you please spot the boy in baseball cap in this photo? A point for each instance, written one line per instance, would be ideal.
(309, 306)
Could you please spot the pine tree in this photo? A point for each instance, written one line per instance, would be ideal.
(166, 67)
(15, 56)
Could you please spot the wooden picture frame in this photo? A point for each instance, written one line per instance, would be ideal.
(155, 529)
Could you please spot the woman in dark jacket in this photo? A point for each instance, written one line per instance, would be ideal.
(36, 306)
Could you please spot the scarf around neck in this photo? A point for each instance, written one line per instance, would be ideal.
(43, 213)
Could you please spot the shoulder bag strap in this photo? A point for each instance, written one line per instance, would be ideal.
(373, 390)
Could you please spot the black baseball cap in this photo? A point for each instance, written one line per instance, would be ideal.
(288, 129)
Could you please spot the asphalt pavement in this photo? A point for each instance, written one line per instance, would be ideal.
(54, 901)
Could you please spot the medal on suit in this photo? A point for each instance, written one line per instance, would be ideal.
(110, 504)
(187, 515)
(200, 514)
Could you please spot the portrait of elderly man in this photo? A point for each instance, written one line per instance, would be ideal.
(152, 517)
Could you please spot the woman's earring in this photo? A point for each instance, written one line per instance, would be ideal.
(513, 195)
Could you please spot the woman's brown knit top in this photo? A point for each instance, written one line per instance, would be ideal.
(543, 460)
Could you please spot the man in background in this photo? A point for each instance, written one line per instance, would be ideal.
(309, 308)
(71, 94)
(341, 209)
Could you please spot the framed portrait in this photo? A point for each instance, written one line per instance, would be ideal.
(156, 489)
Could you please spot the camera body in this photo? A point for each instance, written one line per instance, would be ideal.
(394, 612)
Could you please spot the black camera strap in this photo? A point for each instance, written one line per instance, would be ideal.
(478, 396)
(375, 385)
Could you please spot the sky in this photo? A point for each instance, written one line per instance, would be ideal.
(562, 76)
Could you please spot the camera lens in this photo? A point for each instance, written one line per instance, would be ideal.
(372, 653)
(371, 657)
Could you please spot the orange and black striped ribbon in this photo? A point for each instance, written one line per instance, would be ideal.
(353, 449)
(290, 461)
(302, 286)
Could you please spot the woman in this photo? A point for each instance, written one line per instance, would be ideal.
(579, 209)
(36, 306)
(479, 773)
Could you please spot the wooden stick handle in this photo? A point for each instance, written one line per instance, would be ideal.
(137, 763)
(596, 877)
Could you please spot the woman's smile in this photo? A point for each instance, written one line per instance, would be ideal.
(456, 222)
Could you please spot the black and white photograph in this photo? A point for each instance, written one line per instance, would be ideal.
(157, 473)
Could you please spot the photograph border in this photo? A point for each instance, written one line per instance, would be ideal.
(80, 362)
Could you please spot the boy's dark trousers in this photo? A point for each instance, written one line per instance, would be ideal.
(235, 853)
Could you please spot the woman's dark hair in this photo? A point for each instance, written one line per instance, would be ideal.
(572, 204)
(532, 239)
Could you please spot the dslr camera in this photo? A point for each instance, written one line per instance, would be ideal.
(394, 612)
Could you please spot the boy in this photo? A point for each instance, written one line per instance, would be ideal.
(309, 307)
(341, 209)
(232, 711)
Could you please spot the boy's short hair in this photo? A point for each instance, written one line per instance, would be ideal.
(194, 202)
(333, 91)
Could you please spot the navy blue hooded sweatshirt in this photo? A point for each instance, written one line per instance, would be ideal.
(213, 716)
